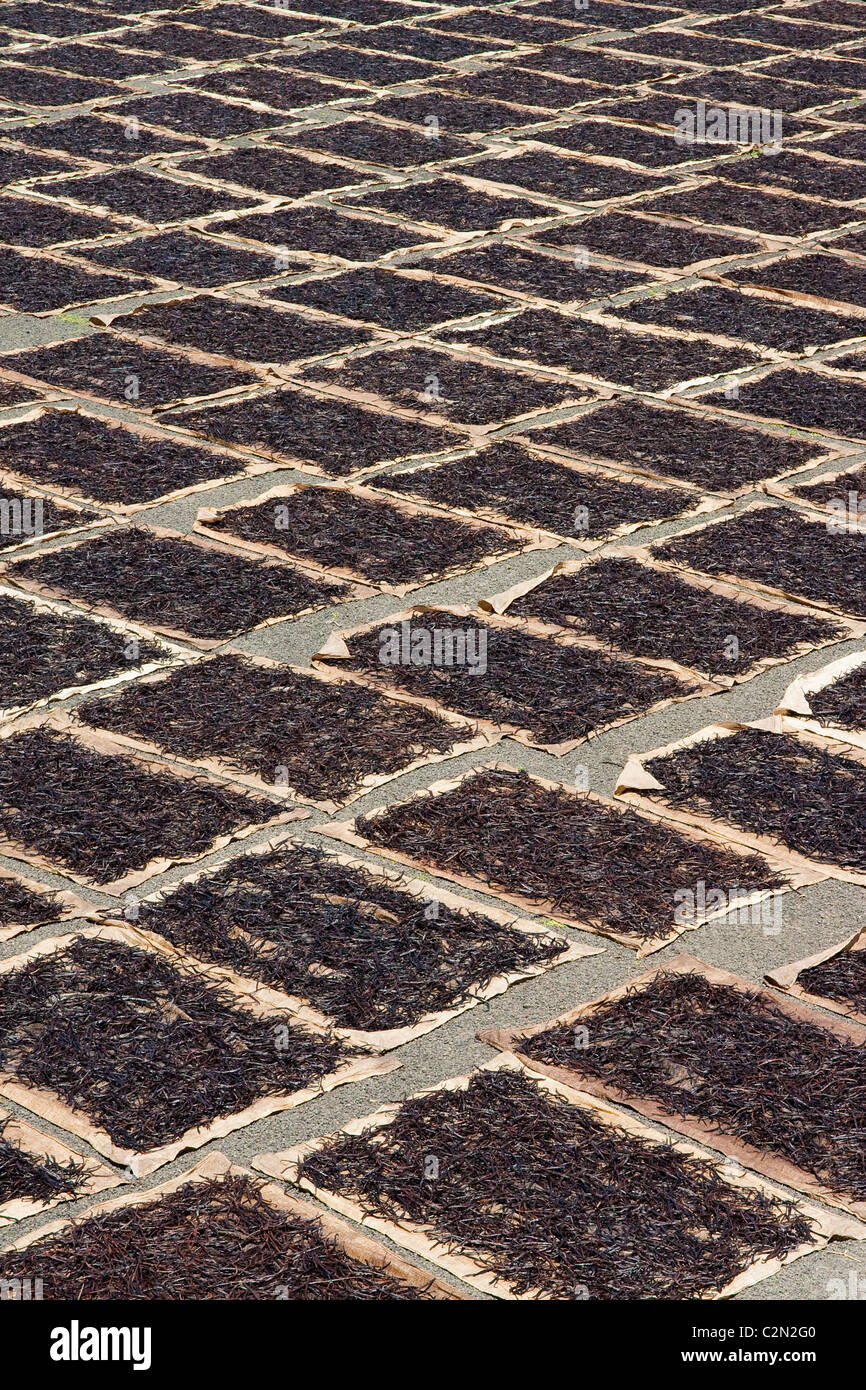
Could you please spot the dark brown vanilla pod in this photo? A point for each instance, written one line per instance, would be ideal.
(548, 847)
(527, 1189)
(378, 958)
(143, 1054)
(774, 1085)
(215, 1233)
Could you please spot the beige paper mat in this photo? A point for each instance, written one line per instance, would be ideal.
(473, 737)
(380, 1040)
(28, 585)
(636, 781)
(748, 587)
(806, 477)
(184, 356)
(322, 396)
(79, 518)
(61, 722)
(139, 1163)
(148, 435)
(96, 1177)
(348, 833)
(796, 710)
(422, 1240)
(500, 603)
(787, 978)
(66, 905)
(173, 655)
(696, 502)
(760, 1160)
(522, 540)
(337, 648)
(215, 1167)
